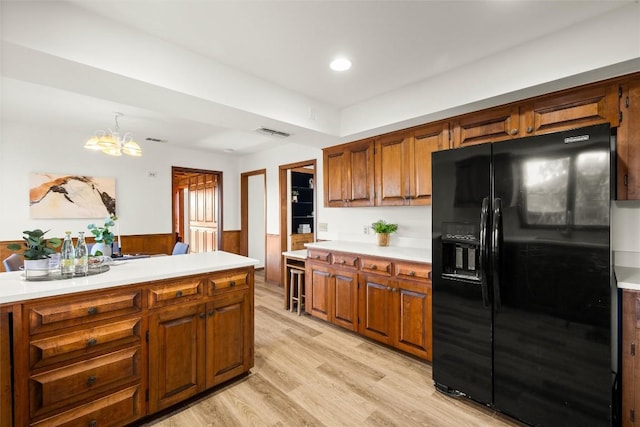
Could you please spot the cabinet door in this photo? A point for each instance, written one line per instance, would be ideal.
(572, 109)
(360, 174)
(6, 404)
(414, 318)
(176, 355)
(630, 356)
(628, 142)
(392, 169)
(345, 299)
(335, 179)
(229, 341)
(492, 125)
(317, 294)
(425, 141)
(376, 309)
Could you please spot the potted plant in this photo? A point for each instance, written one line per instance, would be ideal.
(38, 249)
(383, 229)
(103, 236)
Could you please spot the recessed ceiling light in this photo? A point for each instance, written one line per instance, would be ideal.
(340, 64)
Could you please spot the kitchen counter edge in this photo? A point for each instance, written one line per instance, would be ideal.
(394, 252)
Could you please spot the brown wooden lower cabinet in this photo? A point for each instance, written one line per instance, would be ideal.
(113, 356)
(630, 358)
(386, 300)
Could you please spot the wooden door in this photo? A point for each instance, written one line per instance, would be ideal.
(360, 174)
(318, 300)
(426, 140)
(492, 125)
(176, 355)
(376, 311)
(568, 110)
(227, 346)
(345, 299)
(628, 143)
(335, 179)
(203, 226)
(413, 318)
(392, 160)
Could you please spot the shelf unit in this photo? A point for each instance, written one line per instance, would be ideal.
(302, 200)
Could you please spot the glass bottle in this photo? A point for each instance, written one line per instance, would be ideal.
(67, 256)
(82, 258)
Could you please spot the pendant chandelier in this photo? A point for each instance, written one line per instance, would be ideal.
(113, 143)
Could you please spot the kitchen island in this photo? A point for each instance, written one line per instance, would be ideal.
(117, 346)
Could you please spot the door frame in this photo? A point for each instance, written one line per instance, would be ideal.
(175, 170)
(244, 211)
(284, 199)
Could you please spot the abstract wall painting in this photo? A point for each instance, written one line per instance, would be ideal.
(71, 196)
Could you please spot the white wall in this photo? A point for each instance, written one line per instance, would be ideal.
(256, 219)
(143, 203)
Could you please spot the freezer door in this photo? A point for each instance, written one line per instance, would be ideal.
(552, 363)
(461, 301)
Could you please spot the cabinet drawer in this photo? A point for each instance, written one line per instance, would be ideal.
(116, 409)
(345, 260)
(228, 282)
(51, 316)
(53, 389)
(319, 256)
(413, 271)
(175, 292)
(59, 348)
(377, 266)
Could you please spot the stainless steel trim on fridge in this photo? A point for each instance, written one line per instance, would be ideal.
(522, 297)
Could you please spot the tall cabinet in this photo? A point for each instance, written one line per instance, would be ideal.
(302, 208)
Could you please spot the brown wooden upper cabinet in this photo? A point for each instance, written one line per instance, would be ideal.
(403, 164)
(628, 142)
(496, 124)
(349, 174)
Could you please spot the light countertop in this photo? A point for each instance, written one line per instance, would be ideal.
(14, 288)
(394, 252)
(299, 254)
(628, 277)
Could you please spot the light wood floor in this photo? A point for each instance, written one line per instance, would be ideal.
(309, 373)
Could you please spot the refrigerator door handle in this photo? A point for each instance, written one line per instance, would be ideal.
(496, 231)
(484, 255)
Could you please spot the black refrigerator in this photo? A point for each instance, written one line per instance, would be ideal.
(522, 294)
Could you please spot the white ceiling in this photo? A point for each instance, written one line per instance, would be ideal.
(392, 44)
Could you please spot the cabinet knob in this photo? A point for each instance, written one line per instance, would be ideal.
(342, 262)
(529, 129)
(389, 288)
(412, 273)
(374, 267)
(91, 342)
(316, 257)
(178, 294)
(92, 423)
(211, 313)
(92, 380)
(232, 283)
(514, 131)
(92, 311)
(202, 315)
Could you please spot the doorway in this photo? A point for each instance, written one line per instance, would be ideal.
(297, 204)
(196, 201)
(253, 205)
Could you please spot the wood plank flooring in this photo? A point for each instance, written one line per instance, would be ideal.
(310, 373)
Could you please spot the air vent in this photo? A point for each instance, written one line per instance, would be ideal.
(156, 140)
(272, 132)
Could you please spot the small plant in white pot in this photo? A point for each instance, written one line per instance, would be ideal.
(383, 229)
(37, 249)
(103, 236)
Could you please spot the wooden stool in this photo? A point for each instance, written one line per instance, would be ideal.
(296, 289)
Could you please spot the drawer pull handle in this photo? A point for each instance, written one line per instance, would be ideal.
(202, 315)
(412, 273)
(92, 423)
(429, 275)
(91, 342)
(317, 257)
(178, 294)
(233, 283)
(211, 313)
(92, 380)
(389, 288)
(342, 262)
(374, 267)
(92, 311)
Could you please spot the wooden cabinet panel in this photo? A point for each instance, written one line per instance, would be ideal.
(319, 256)
(376, 265)
(349, 174)
(84, 342)
(412, 271)
(426, 140)
(628, 142)
(116, 409)
(492, 125)
(630, 356)
(345, 299)
(6, 398)
(224, 282)
(376, 308)
(391, 169)
(52, 316)
(344, 260)
(299, 239)
(414, 318)
(228, 324)
(176, 355)
(318, 291)
(70, 384)
(178, 291)
(568, 110)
